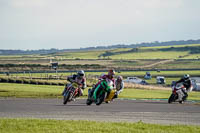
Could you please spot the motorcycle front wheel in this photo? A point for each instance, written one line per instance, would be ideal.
(66, 97)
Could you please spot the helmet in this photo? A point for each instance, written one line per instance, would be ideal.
(81, 73)
(119, 78)
(111, 72)
(186, 76)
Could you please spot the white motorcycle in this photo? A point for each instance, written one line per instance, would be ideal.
(177, 93)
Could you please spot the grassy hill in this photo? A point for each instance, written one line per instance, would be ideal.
(162, 57)
(161, 52)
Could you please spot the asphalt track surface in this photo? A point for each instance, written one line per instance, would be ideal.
(151, 111)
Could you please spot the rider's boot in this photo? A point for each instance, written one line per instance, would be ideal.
(185, 97)
(73, 99)
(107, 102)
(181, 102)
(185, 94)
(115, 96)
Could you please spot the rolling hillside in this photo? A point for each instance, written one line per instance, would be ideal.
(162, 57)
(162, 52)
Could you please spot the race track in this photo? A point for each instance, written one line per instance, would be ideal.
(152, 111)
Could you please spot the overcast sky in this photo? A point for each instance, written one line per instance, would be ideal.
(63, 24)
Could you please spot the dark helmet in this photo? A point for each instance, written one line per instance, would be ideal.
(186, 76)
(81, 73)
(111, 72)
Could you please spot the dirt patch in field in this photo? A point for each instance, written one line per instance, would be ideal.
(157, 63)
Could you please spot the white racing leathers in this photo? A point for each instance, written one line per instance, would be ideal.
(180, 94)
(119, 87)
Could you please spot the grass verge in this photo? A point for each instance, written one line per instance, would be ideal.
(69, 126)
(47, 91)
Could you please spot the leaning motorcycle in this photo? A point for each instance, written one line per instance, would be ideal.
(70, 93)
(102, 95)
(177, 93)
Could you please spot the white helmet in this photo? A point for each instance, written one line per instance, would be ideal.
(81, 73)
(186, 76)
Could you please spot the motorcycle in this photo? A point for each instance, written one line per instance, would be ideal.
(71, 92)
(102, 95)
(177, 93)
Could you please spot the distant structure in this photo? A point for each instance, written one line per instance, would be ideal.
(148, 75)
(54, 65)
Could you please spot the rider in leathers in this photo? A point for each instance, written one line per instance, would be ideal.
(119, 85)
(187, 84)
(78, 78)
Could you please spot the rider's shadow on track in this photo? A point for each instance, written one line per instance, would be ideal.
(151, 102)
(72, 104)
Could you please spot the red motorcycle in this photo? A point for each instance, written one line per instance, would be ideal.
(71, 92)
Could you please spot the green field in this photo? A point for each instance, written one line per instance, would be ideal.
(150, 55)
(47, 91)
(29, 91)
(192, 56)
(123, 73)
(162, 52)
(165, 57)
(176, 46)
(69, 126)
(80, 55)
(180, 64)
(92, 77)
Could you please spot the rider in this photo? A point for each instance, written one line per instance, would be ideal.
(119, 84)
(80, 79)
(187, 84)
(110, 75)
